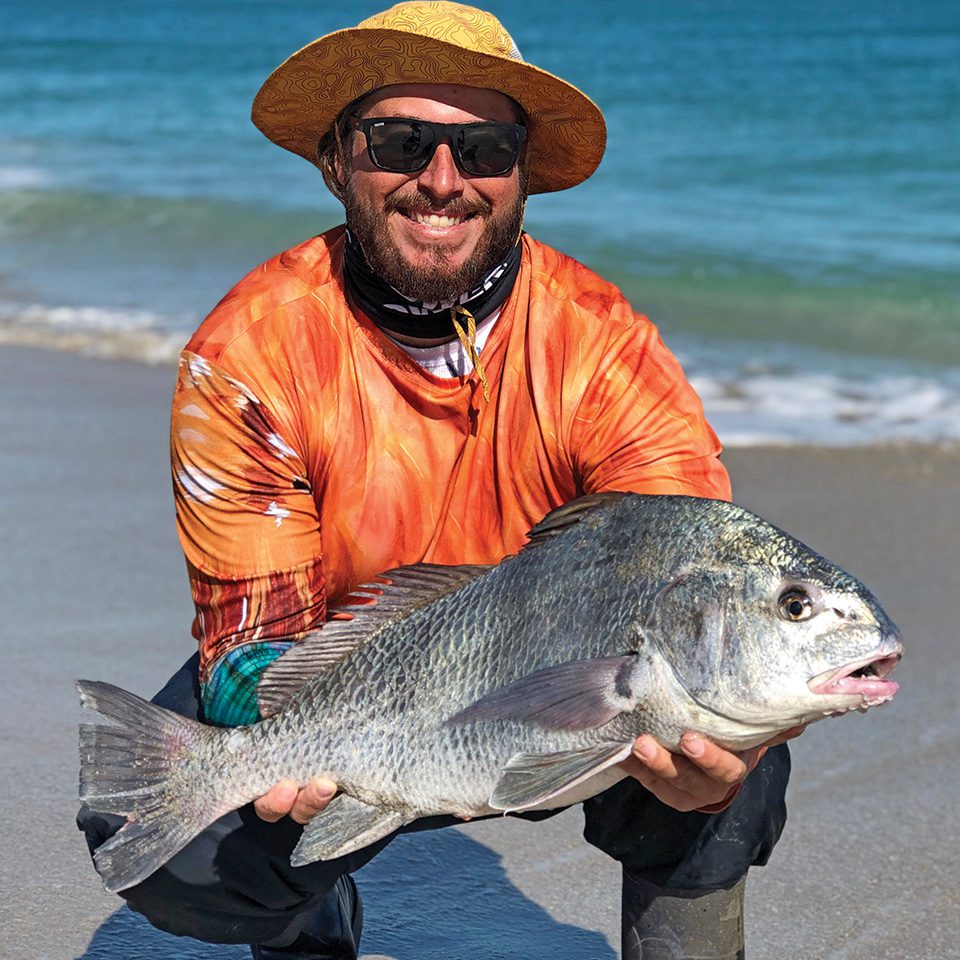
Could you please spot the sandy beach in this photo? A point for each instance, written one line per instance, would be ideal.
(94, 586)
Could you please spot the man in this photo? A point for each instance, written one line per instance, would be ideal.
(425, 386)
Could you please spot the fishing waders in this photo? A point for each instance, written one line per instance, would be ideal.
(660, 923)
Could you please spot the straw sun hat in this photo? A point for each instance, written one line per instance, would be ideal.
(432, 42)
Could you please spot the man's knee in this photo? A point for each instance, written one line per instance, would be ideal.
(692, 850)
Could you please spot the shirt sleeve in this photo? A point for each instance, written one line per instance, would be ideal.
(640, 426)
(246, 515)
(230, 693)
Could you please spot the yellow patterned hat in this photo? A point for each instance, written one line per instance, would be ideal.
(432, 42)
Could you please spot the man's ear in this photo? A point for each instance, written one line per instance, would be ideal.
(524, 172)
(338, 170)
(333, 167)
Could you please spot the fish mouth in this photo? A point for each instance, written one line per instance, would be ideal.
(865, 680)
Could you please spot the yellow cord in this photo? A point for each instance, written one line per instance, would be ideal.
(468, 338)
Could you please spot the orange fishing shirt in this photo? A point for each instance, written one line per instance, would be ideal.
(310, 453)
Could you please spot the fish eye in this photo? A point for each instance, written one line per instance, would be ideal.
(795, 604)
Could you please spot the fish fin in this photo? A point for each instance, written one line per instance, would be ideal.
(346, 824)
(556, 521)
(396, 594)
(579, 695)
(135, 770)
(532, 779)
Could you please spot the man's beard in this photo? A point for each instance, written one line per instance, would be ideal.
(436, 280)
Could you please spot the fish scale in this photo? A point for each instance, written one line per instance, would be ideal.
(469, 690)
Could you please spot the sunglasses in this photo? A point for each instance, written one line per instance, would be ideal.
(402, 145)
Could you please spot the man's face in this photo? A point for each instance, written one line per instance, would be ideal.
(385, 210)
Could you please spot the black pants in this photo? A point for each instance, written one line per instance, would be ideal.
(234, 884)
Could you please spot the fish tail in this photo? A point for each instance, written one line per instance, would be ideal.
(148, 768)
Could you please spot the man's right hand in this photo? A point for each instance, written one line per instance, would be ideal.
(299, 803)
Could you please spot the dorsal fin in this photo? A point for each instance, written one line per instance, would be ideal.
(396, 595)
(556, 521)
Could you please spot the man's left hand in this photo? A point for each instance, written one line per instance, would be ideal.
(288, 799)
(705, 777)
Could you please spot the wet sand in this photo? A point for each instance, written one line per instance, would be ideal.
(94, 586)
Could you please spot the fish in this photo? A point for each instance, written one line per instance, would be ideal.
(473, 690)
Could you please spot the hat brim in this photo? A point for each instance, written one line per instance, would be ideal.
(300, 100)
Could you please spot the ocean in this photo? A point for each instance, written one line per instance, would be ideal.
(780, 192)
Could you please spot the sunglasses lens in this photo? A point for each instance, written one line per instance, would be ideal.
(481, 149)
(400, 145)
(488, 151)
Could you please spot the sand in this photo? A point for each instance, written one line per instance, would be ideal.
(94, 586)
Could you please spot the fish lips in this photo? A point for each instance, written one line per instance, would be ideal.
(864, 681)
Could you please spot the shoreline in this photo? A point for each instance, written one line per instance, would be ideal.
(95, 587)
(756, 394)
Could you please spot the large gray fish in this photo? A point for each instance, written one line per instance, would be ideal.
(470, 690)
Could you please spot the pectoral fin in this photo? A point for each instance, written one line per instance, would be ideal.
(579, 695)
(343, 826)
(533, 779)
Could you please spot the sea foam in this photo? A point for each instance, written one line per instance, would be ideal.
(821, 398)
(753, 393)
(136, 335)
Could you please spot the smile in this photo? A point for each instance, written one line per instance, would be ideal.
(434, 219)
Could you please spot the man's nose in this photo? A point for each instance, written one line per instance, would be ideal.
(441, 177)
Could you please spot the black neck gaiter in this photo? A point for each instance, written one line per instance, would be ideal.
(395, 313)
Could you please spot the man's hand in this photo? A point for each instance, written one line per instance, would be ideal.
(300, 803)
(706, 776)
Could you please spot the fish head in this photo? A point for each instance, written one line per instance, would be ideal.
(775, 635)
(846, 644)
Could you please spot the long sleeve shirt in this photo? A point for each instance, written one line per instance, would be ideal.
(310, 453)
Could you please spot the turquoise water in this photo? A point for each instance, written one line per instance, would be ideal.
(781, 179)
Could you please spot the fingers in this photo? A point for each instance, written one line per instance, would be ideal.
(287, 799)
(707, 776)
(718, 764)
(665, 791)
(277, 802)
(312, 799)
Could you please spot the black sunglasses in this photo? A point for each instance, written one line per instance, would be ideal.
(403, 145)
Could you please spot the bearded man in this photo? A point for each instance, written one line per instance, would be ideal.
(424, 385)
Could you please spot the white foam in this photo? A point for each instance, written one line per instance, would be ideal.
(753, 394)
(83, 318)
(22, 178)
(95, 331)
(824, 399)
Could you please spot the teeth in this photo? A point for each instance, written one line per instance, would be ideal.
(433, 220)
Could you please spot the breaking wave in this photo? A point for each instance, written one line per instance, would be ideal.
(753, 393)
(134, 335)
(767, 394)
